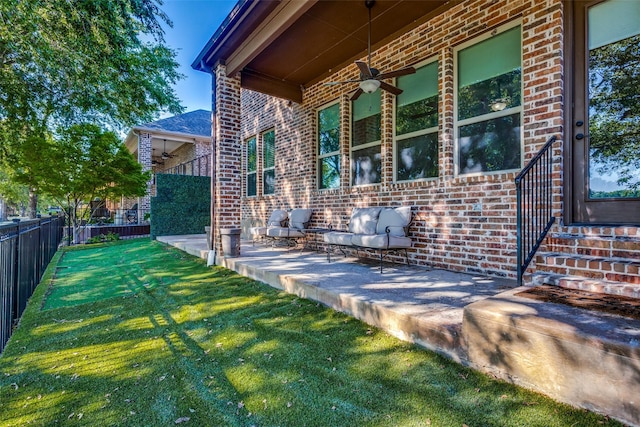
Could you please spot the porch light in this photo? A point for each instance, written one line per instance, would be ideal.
(369, 86)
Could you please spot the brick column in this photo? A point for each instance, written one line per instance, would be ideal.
(144, 158)
(228, 153)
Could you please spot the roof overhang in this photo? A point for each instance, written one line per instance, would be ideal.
(162, 140)
(281, 47)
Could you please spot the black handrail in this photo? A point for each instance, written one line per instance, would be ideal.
(534, 193)
(200, 166)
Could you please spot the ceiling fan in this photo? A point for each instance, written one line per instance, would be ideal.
(166, 155)
(371, 78)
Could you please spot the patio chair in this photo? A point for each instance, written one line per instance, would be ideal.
(278, 218)
(299, 220)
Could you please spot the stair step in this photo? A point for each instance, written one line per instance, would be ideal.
(603, 286)
(623, 246)
(591, 267)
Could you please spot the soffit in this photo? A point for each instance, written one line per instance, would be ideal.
(295, 44)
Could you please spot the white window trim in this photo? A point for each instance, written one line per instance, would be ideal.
(434, 129)
(352, 149)
(457, 123)
(247, 171)
(319, 156)
(262, 158)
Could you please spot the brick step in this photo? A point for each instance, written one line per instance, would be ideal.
(609, 287)
(616, 269)
(617, 246)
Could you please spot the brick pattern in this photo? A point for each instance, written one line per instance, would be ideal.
(144, 158)
(228, 152)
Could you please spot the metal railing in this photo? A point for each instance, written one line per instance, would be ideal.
(200, 166)
(534, 193)
(26, 248)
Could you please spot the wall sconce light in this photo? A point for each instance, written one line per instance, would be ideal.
(369, 86)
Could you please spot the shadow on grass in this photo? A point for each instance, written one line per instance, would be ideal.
(180, 340)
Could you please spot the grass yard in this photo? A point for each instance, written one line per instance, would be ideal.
(139, 334)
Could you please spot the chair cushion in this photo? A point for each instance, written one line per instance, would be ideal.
(277, 218)
(299, 218)
(394, 218)
(364, 220)
(338, 238)
(379, 241)
(284, 232)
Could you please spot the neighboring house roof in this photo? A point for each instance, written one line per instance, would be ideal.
(171, 132)
(196, 122)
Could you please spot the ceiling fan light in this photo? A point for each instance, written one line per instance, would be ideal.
(165, 156)
(369, 86)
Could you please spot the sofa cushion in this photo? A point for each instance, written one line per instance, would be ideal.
(277, 218)
(364, 220)
(338, 238)
(299, 218)
(379, 241)
(284, 232)
(394, 218)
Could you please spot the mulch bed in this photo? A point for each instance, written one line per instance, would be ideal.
(613, 304)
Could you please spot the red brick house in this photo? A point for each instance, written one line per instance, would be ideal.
(495, 81)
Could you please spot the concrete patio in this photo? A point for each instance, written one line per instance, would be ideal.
(587, 359)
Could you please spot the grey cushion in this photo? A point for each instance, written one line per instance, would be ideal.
(299, 218)
(379, 241)
(364, 220)
(338, 238)
(394, 218)
(284, 232)
(277, 218)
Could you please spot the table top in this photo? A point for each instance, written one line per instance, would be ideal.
(317, 230)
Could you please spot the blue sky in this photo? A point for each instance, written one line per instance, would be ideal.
(194, 22)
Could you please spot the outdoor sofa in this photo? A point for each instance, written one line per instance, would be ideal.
(380, 229)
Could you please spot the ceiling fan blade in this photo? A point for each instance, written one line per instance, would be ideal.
(364, 70)
(389, 88)
(356, 94)
(396, 73)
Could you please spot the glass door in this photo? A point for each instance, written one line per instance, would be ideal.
(606, 114)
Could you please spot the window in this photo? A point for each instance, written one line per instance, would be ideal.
(489, 105)
(366, 165)
(252, 167)
(269, 162)
(416, 150)
(329, 147)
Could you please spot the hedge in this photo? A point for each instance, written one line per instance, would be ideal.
(181, 206)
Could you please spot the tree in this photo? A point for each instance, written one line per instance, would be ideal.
(89, 164)
(69, 62)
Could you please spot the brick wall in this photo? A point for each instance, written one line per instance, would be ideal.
(228, 152)
(463, 223)
(144, 158)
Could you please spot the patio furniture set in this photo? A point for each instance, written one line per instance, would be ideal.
(378, 229)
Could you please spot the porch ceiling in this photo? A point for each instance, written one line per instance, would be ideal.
(281, 47)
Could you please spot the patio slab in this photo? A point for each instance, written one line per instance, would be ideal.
(415, 304)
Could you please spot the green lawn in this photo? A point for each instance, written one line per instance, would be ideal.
(139, 334)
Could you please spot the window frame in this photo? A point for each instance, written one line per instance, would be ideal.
(457, 124)
(264, 158)
(360, 147)
(434, 129)
(320, 157)
(248, 172)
